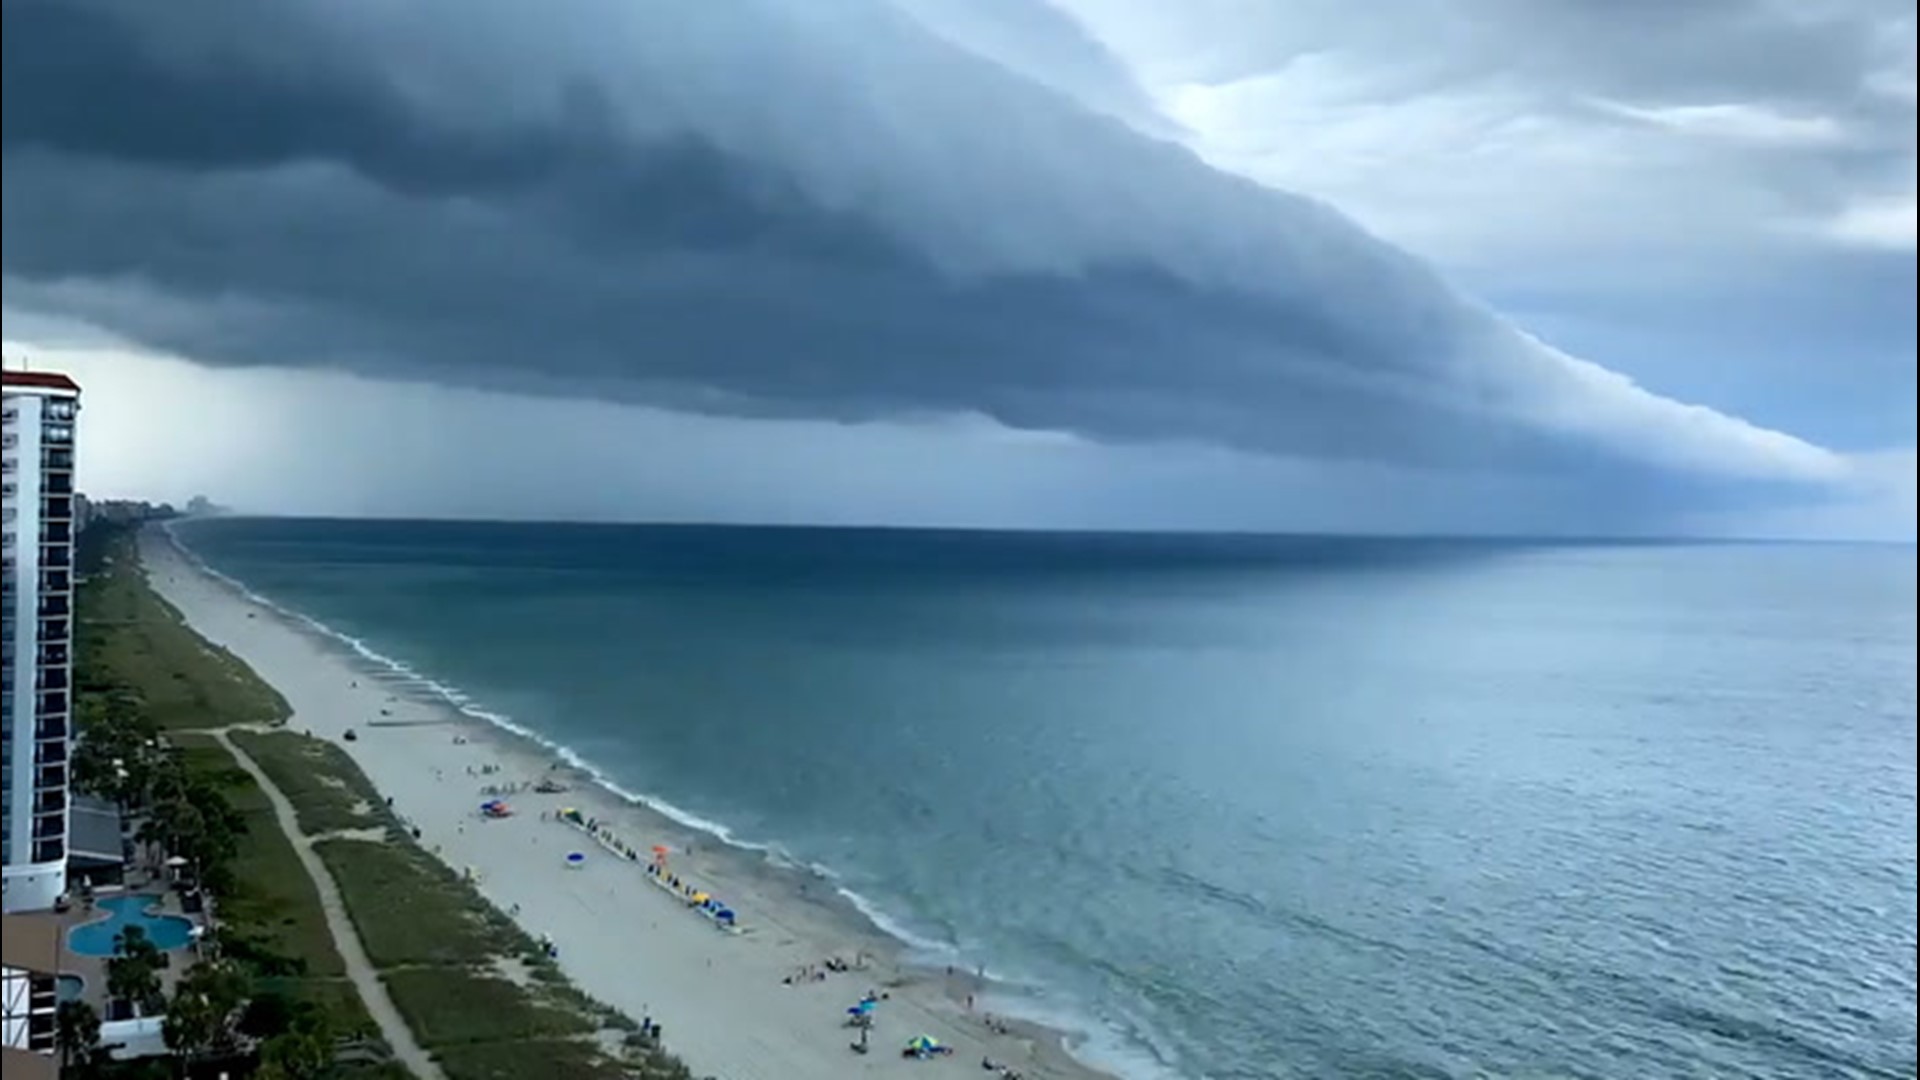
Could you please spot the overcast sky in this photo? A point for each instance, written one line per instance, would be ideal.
(1587, 266)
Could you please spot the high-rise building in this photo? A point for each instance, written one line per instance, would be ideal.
(40, 411)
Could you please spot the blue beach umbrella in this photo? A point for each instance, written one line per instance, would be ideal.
(576, 859)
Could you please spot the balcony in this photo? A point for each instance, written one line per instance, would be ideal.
(56, 581)
(56, 459)
(46, 851)
(60, 409)
(52, 827)
(54, 678)
(53, 629)
(60, 483)
(57, 435)
(50, 802)
(51, 753)
(56, 532)
(49, 729)
(52, 703)
(55, 607)
(56, 507)
(56, 557)
(55, 655)
(50, 776)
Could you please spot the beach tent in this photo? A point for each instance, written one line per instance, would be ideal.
(724, 914)
(923, 1045)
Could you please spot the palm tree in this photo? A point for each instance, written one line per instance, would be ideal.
(133, 972)
(300, 1053)
(76, 1032)
(204, 1010)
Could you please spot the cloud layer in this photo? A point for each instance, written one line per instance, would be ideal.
(835, 211)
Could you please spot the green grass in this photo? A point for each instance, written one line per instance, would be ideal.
(328, 791)
(444, 1006)
(132, 640)
(411, 910)
(272, 897)
(272, 913)
(550, 1059)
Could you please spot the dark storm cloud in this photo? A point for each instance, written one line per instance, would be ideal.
(816, 210)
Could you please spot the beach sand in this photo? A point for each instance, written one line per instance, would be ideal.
(719, 997)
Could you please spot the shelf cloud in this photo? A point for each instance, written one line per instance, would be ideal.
(849, 211)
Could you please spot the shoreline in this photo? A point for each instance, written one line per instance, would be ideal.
(719, 997)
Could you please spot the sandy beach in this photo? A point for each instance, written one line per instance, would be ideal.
(723, 999)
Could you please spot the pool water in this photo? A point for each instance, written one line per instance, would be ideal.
(167, 932)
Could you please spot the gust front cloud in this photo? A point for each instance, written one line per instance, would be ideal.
(752, 209)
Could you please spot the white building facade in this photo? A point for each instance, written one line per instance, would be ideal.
(37, 527)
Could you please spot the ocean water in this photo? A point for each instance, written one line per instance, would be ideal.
(1245, 807)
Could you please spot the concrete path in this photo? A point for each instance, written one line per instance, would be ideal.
(359, 969)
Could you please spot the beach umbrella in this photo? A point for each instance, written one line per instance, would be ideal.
(576, 859)
(700, 898)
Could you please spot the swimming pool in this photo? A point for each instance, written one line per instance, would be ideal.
(165, 931)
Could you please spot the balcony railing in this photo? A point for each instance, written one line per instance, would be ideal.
(53, 630)
(51, 753)
(50, 729)
(56, 458)
(50, 776)
(56, 434)
(56, 507)
(60, 409)
(60, 483)
(54, 656)
(52, 703)
(55, 581)
(55, 607)
(53, 827)
(56, 556)
(46, 851)
(50, 802)
(56, 532)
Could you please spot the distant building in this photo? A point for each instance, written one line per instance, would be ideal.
(40, 412)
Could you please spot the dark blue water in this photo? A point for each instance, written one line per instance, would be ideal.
(1248, 807)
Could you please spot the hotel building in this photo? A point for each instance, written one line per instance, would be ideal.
(40, 411)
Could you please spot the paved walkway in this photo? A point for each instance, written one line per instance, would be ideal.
(359, 969)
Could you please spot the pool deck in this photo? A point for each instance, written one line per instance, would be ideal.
(93, 969)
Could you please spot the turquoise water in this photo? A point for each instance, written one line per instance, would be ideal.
(1242, 807)
(167, 932)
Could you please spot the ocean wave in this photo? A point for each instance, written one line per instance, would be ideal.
(1123, 1046)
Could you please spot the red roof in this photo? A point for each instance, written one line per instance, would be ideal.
(46, 380)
